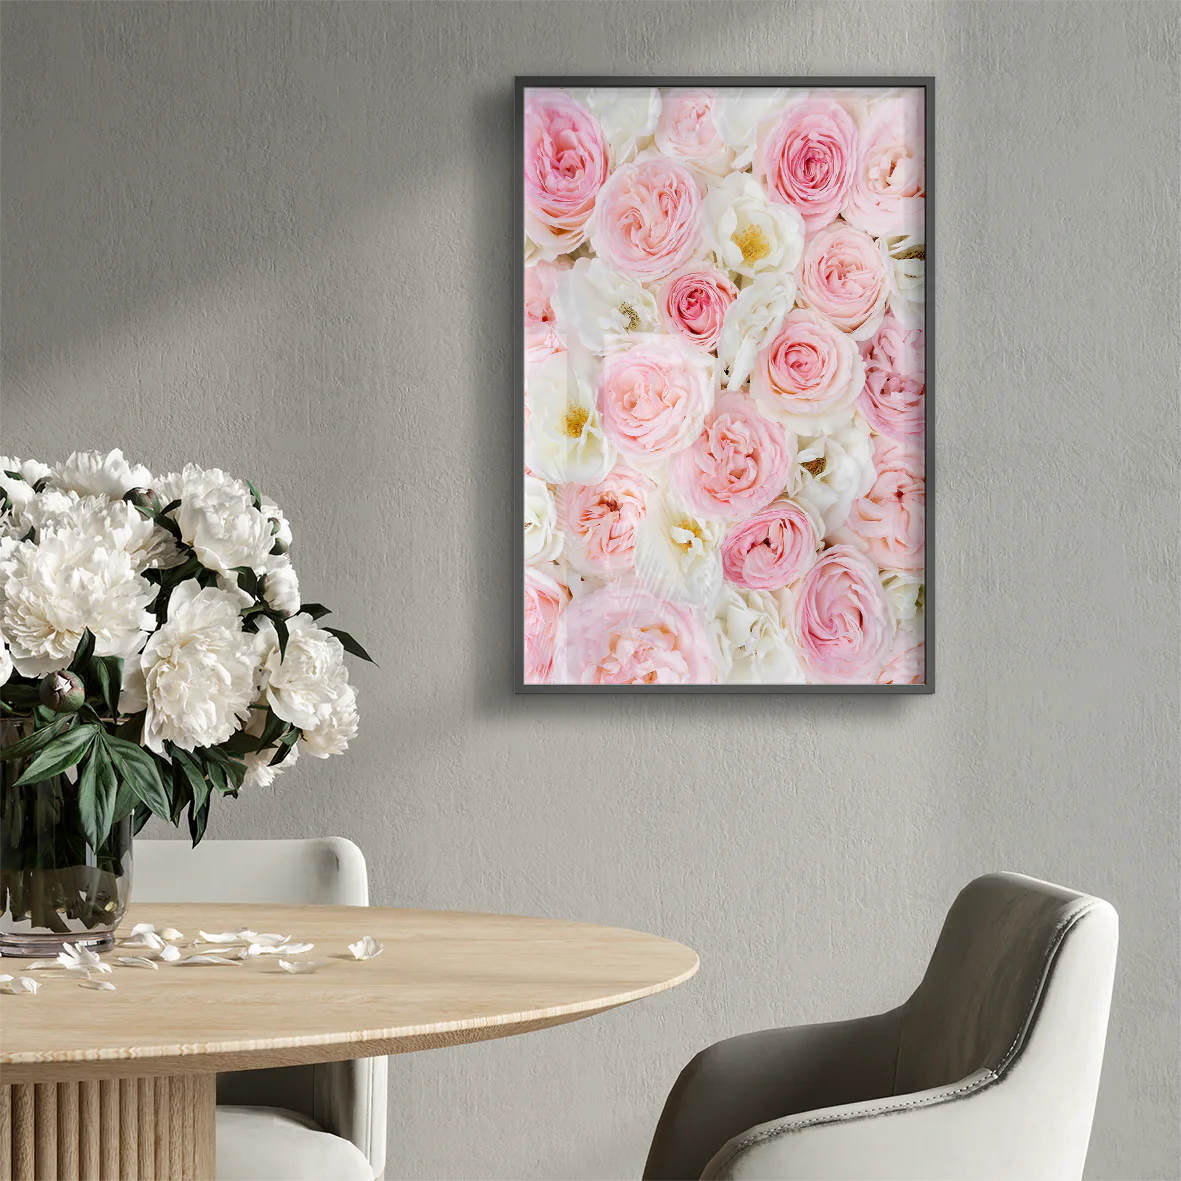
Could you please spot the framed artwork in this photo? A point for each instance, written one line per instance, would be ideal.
(724, 451)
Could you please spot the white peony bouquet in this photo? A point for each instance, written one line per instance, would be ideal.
(153, 643)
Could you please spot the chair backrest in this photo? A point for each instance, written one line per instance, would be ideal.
(977, 1004)
(348, 1098)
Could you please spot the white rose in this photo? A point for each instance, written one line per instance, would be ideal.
(5, 662)
(90, 473)
(906, 277)
(217, 518)
(738, 113)
(751, 320)
(332, 735)
(195, 676)
(602, 308)
(302, 686)
(747, 234)
(564, 439)
(750, 636)
(280, 586)
(833, 470)
(904, 590)
(51, 592)
(628, 117)
(543, 541)
(677, 554)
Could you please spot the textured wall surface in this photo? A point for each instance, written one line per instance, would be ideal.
(276, 239)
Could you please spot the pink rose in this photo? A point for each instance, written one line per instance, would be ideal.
(648, 219)
(893, 398)
(738, 464)
(601, 521)
(541, 327)
(687, 133)
(807, 159)
(545, 601)
(565, 167)
(810, 374)
(843, 276)
(907, 664)
(622, 635)
(771, 549)
(654, 397)
(842, 621)
(694, 304)
(891, 517)
(888, 194)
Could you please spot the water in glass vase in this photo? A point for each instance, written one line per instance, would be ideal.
(56, 889)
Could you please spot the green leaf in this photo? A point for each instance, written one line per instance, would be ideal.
(198, 819)
(217, 777)
(83, 653)
(254, 493)
(271, 730)
(315, 610)
(135, 766)
(350, 645)
(248, 581)
(281, 631)
(191, 769)
(285, 749)
(140, 817)
(170, 507)
(36, 740)
(64, 752)
(88, 808)
(108, 673)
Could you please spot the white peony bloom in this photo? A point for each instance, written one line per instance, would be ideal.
(678, 555)
(543, 541)
(628, 117)
(833, 470)
(302, 686)
(259, 772)
(90, 473)
(751, 321)
(750, 637)
(18, 489)
(280, 586)
(738, 113)
(5, 662)
(564, 439)
(602, 308)
(280, 526)
(746, 233)
(218, 520)
(332, 735)
(906, 278)
(114, 524)
(196, 674)
(52, 592)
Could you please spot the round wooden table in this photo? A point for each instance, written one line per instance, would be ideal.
(97, 1084)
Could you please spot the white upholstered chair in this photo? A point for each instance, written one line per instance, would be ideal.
(295, 1123)
(989, 1070)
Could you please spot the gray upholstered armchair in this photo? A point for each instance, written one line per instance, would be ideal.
(292, 1122)
(989, 1070)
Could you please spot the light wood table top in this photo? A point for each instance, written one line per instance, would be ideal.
(444, 978)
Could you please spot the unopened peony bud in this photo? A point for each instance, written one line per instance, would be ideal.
(282, 541)
(62, 692)
(147, 500)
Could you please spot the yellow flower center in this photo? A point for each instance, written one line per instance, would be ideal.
(815, 467)
(633, 319)
(692, 528)
(913, 252)
(752, 242)
(576, 418)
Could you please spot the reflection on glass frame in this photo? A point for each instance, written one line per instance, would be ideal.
(724, 447)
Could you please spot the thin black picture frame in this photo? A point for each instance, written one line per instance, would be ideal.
(524, 83)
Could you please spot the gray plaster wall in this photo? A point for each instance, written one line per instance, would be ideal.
(276, 239)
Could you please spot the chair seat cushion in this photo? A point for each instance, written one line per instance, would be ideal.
(270, 1144)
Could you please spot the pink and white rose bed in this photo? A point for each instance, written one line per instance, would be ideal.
(724, 386)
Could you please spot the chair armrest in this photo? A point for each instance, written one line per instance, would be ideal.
(760, 1077)
(349, 1100)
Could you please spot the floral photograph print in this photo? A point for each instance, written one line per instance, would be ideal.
(723, 362)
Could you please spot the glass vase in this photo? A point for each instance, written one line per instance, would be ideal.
(56, 889)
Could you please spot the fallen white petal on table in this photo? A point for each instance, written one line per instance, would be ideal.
(143, 929)
(210, 959)
(219, 936)
(280, 949)
(172, 935)
(169, 955)
(138, 961)
(366, 948)
(19, 985)
(301, 966)
(97, 985)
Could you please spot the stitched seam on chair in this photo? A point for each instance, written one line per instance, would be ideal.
(990, 1076)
